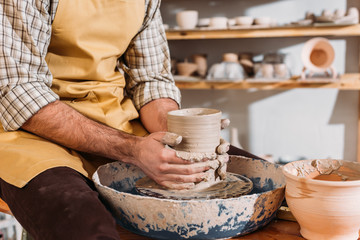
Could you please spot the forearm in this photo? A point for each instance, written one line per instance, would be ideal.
(154, 114)
(62, 124)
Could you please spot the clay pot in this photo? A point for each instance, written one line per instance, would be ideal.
(244, 20)
(201, 62)
(266, 21)
(204, 22)
(230, 57)
(186, 68)
(325, 209)
(218, 22)
(280, 70)
(317, 54)
(199, 127)
(267, 70)
(187, 19)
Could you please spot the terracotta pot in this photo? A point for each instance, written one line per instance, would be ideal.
(186, 68)
(325, 209)
(187, 19)
(199, 127)
(317, 54)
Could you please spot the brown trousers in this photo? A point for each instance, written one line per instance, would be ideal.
(60, 204)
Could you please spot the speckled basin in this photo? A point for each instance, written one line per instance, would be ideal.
(193, 219)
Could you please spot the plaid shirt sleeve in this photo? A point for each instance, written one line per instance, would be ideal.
(147, 62)
(25, 80)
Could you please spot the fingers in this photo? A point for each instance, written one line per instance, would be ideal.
(223, 147)
(171, 139)
(224, 123)
(189, 169)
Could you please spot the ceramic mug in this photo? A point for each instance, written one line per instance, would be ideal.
(187, 19)
(199, 128)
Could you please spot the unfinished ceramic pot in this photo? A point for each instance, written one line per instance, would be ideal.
(192, 219)
(199, 128)
(323, 195)
(186, 68)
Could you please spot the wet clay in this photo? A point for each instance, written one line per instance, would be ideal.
(334, 171)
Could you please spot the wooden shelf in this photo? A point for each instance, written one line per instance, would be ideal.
(350, 81)
(289, 31)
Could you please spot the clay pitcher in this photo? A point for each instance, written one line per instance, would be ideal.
(199, 127)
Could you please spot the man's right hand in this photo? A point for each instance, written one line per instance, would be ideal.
(163, 166)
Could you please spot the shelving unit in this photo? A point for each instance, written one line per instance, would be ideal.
(295, 31)
(346, 82)
(349, 81)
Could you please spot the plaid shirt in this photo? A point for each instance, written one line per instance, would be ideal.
(25, 79)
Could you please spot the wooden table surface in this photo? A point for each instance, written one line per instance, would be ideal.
(275, 230)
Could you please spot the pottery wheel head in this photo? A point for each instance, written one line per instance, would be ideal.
(233, 186)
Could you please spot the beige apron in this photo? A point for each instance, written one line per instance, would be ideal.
(87, 39)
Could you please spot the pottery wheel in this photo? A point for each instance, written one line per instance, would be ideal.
(233, 186)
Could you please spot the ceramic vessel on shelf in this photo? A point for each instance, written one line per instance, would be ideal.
(192, 219)
(317, 55)
(186, 68)
(267, 70)
(231, 22)
(264, 21)
(218, 22)
(228, 69)
(274, 66)
(244, 20)
(187, 19)
(204, 22)
(201, 61)
(246, 61)
(323, 195)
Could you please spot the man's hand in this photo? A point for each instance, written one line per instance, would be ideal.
(164, 167)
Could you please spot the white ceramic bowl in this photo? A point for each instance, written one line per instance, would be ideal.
(244, 20)
(328, 210)
(204, 22)
(187, 19)
(266, 21)
(218, 22)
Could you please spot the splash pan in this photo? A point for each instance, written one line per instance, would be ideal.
(193, 219)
